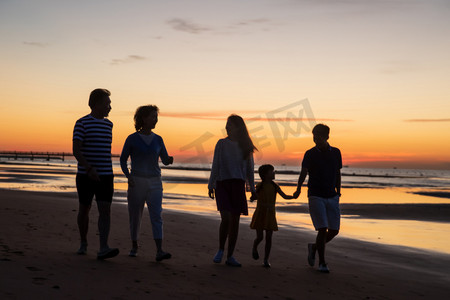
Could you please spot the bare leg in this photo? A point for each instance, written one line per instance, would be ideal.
(233, 233)
(83, 222)
(223, 229)
(324, 236)
(104, 221)
(268, 244)
(331, 234)
(320, 244)
(259, 238)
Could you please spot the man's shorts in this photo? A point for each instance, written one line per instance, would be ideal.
(87, 188)
(325, 212)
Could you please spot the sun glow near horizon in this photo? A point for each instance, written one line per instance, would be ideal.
(375, 72)
(191, 137)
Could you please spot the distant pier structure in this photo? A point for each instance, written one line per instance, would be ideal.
(38, 155)
(32, 155)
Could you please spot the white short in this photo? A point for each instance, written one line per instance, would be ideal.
(325, 212)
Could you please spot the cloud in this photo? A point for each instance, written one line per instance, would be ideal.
(298, 119)
(36, 44)
(253, 22)
(427, 120)
(258, 24)
(218, 115)
(194, 28)
(223, 115)
(128, 59)
(187, 26)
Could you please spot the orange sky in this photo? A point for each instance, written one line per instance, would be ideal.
(375, 71)
(192, 138)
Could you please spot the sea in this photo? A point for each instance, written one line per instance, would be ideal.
(376, 204)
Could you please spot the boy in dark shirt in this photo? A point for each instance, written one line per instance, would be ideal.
(323, 164)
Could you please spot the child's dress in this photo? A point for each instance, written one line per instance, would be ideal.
(264, 216)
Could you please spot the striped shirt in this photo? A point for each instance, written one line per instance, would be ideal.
(96, 137)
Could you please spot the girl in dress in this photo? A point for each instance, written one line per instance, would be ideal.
(264, 216)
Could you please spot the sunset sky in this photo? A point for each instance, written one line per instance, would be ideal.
(377, 72)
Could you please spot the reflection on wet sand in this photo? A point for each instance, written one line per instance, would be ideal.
(397, 215)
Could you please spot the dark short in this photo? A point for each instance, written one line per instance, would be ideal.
(87, 188)
(230, 196)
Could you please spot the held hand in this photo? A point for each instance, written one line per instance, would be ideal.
(170, 160)
(211, 193)
(296, 194)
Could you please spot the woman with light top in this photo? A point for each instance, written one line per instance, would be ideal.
(232, 166)
(144, 182)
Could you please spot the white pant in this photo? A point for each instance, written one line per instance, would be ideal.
(145, 190)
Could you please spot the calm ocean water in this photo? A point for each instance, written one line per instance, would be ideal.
(185, 188)
(58, 175)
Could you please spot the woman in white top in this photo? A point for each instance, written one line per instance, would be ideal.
(232, 166)
(144, 181)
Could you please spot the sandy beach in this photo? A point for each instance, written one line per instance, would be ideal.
(39, 238)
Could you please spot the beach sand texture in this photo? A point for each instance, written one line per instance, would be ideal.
(39, 237)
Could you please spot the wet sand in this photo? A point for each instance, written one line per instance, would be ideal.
(419, 212)
(39, 237)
